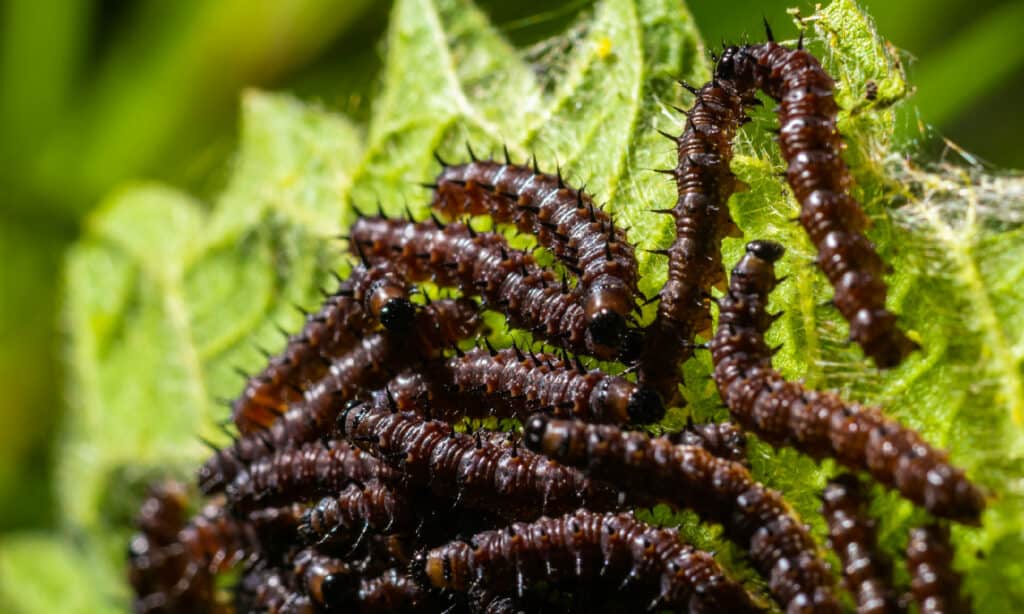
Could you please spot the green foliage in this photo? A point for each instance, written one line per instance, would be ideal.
(95, 93)
(163, 296)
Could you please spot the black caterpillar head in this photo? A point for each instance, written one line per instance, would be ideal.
(645, 406)
(533, 431)
(737, 70)
(769, 251)
(338, 588)
(398, 315)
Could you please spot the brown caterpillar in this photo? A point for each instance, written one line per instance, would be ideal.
(369, 295)
(821, 424)
(934, 584)
(482, 263)
(304, 473)
(834, 221)
(438, 325)
(162, 513)
(345, 517)
(430, 392)
(178, 576)
(723, 439)
(486, 601)
(851, 533)
(585, 547)
(702, 220)
(325, 579)
(717, 489)
(267, 591)
(527, 383)
(159, 519)
(276, 529)
(483, 471)
(393, 591)
(332, 585)
(564, 220)
(511, 383)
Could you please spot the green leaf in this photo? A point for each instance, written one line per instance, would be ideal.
(164, 297)
(163, 300)
(39, 573)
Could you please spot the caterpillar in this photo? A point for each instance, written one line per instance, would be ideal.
(275, 529)
(527, 383)
(482, 263)
(160, 517)
(162, 513)
(584, 546)
(318, 583)
(303, 473)
(821, 424)
(345, 517)
(564, 219)
(332, 584)
(511, 383)
(179, 575)
(325, 579)
(834, 221)
(717, 489)
(368, 295)
(852, 535)
(393, 591)
(438, 325)
(267, 591)
(701, 214)
(934, 584)
(482, 601)
(484, 471)
(722, 439)
(431, 392)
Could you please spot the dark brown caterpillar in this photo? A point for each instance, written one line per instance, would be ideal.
(267, 591)
(393, 591)
(369, 295)
(347, 516)
(484, 471)
(162, 513)
(564, 220)
(334, 587)
(369, 365)
(934, 584)
(812, 146)
(581, 548)
(325, 579)
(386, 299)
(482, 263)
(723, 439)
(276, 530)
(160, 517)
(717, 489)
(702, 220)
(304, 473)
(528, 383)
(179, 576)
(431, 392)
(485, 601)
(821, 424)
(851, 533)
(511, 383)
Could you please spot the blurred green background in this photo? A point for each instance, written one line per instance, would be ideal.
(94, 92)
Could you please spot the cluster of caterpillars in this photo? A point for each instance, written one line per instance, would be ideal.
(358, 481)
